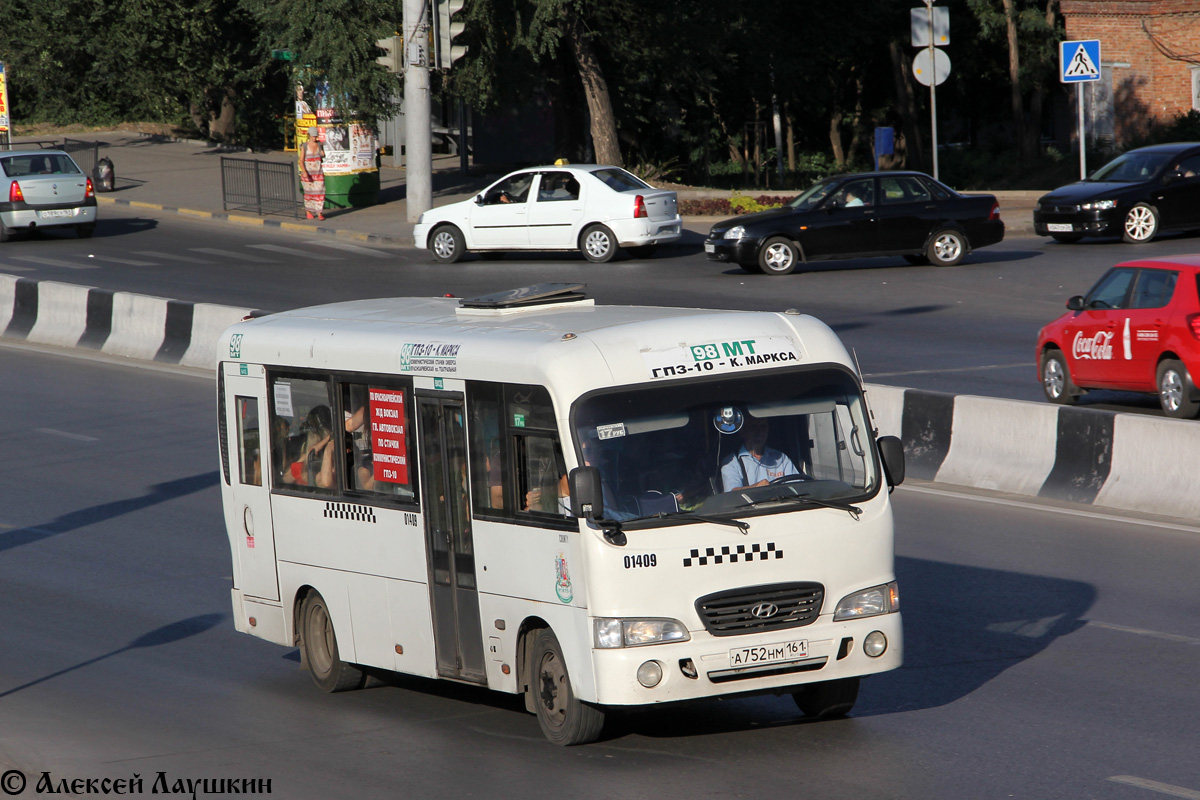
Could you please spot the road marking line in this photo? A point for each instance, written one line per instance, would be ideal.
(54, 262)
(1167, 637)
(79, 437)
(16, 268)
(128, 261)
(351, 248)
(1155, 786)
(940, 370)
(291, 251)
(172, 257)
(212, 251)
(1071, 512)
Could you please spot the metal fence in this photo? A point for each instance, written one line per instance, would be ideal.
(266, 187)
(85, 153)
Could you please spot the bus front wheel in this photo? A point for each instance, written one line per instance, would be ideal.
(318, 643)
(827, 699)
(564, 719)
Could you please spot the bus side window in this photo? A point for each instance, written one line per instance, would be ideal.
(542, 475)
(487, 456)
(302, 435)
(249, 449)
(375, 424)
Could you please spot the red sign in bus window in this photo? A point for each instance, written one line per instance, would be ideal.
(389, 453)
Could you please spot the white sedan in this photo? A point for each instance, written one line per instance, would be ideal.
(593, 209)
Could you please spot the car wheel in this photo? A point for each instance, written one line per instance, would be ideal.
(1065, 238)
(597, 244)
(947, 248)
(447, 244)
(85, 231)
(1141, 224)
(645, 251)
(827, 699)
(1174, 386)
(917, 260)
(779, 256)
(319, 645)
(5, 233)
(563, 718)
(1056, 379)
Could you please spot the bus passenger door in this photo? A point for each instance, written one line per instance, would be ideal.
(249, 519)
(458, 635)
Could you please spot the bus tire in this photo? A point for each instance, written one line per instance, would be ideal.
(564, 719)
(827, 699)
(319, 645)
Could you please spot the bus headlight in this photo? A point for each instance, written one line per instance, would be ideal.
(869, 602)
(610, 633)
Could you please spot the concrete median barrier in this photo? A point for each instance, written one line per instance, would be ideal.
(1120, 461)
(125, 324)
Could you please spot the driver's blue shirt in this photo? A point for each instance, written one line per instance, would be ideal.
(772, 465)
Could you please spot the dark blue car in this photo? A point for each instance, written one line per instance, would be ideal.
(862, 215)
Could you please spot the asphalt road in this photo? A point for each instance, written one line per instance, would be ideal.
(1050, 652)
(969, 329)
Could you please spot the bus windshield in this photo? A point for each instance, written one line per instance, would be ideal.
(729, 445)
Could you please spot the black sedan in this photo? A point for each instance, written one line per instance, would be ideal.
(1136, 195)
(867, 214)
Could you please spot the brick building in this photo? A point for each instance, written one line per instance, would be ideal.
(1150, 61)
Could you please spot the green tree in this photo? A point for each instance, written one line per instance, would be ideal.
(335, 39)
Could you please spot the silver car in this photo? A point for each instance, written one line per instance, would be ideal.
(44, 188)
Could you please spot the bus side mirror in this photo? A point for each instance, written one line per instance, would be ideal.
(587, 495)
(891, 450)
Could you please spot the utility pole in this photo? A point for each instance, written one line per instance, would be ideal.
(418, 144)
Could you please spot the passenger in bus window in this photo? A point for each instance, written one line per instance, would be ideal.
(358, 437)
(755, 464)
(552, 499)
(314, 467)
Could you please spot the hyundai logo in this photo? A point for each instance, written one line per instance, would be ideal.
(765, 610)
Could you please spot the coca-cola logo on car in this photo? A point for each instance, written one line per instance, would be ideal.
(1096, 348)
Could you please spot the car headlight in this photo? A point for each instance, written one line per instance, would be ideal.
(736, 232)
(610, 633)
(1099, 205)
(869, 602)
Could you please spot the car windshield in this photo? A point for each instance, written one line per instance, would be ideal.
(37, 164)
(813, 195)
(730, 445)
(1131, 167)
(619, 180)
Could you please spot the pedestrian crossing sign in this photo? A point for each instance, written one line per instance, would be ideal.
(1079, 61)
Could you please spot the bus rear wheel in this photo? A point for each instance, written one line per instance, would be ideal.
(564, 719)
(827, 699)
(318, 644)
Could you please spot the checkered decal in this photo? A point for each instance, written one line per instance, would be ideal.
(349, 511)
(743, 552)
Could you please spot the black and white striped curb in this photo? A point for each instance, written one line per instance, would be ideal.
(117, 323)
(1131, 462)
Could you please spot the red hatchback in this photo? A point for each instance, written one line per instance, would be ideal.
(1138, 329)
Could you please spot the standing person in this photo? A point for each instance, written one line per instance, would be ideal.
(312, 175)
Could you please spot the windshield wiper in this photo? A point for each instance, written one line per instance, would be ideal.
(807, 499)
(688, 516)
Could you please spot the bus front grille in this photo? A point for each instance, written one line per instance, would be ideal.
(760, 609)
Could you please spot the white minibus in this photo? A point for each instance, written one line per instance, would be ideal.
(596, 507)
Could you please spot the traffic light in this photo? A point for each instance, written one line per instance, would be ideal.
(447, 31)
(393, 47)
